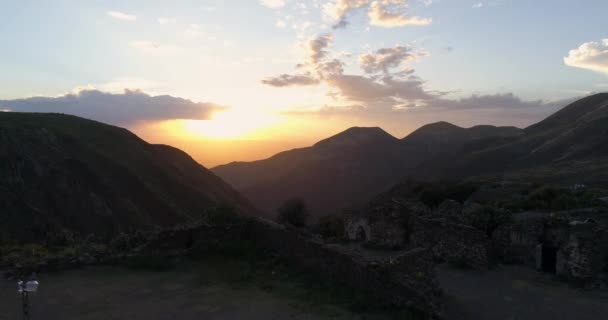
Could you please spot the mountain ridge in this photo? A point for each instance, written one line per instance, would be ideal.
(434, 151)
(61, 172)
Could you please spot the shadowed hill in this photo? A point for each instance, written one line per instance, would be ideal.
(62, 172)
(333, 173)
(349, 168)
(575, 135)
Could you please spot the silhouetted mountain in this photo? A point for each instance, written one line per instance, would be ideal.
(574, 137)
(351, 167)
(336, 172)
(62, 172)
(347, 169)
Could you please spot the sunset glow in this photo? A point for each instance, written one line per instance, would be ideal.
(287, 73)
(230, 124)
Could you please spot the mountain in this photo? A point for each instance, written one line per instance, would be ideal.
(349, 168)
(334, 173)
(60, 172)
(569, 145)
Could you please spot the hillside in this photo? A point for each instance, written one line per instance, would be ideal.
(569, 145)
(62, 172)
(349, 168)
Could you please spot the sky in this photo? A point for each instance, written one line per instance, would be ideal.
(241, 80)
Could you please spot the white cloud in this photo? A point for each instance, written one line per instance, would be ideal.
(590, 55)
(273, 4)
(387, 58)
(122, 16)
(165, 20)
(382, 15)
(478, 5)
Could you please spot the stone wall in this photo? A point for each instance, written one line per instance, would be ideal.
(458, 244)
(404, 279)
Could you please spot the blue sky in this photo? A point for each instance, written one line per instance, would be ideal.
(466, 61)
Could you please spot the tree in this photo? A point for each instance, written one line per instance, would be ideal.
(487, 218)
(293, 212)
(331, 226)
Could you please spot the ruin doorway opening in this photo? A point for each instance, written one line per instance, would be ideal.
(549, 259)
(361, 234)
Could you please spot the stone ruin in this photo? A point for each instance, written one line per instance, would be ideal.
(403, 224)
(571, 244)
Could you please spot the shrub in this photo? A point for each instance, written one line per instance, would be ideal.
(293, 212)
(223, 214)
(331, 227)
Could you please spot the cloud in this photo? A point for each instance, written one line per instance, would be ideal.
(122, 16)
(386, 92)
(316, 48)
(315, 67)
(286, 80)
(273, 4)
(165, 20)
(495, 101)
(387, 58)
(382, 16)
(590, 55)
(381, 13)
(120, 109)
(478, 5)
(337, 10)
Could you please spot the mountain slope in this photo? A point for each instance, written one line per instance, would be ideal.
(334, 173)
(577, 133)
(62, 172)
(349, 168)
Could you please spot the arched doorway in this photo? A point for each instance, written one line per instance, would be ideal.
(361, 234)
(549, 259)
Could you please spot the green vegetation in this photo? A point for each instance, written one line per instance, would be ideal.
(433, 194)
(293, 212)
(487, 218)
(543, 197)
(331, 227)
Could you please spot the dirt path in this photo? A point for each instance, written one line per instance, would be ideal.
(105, 293)
(515, 293)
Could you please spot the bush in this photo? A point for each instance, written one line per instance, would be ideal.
(331, 227)
(293, 212)
(223, 214)
(487, 218)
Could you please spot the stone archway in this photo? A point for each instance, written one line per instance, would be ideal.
(361, 235)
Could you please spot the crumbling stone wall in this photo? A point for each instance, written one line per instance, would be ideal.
(458, 244)
(406, 280)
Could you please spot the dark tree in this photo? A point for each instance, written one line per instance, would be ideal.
(293, 212)
(331, 226)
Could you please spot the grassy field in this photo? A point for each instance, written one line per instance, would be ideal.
(216, 288)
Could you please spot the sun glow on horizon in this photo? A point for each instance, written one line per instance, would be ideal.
(230, 124)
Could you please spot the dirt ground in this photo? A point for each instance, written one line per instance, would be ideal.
(516, 293)
(106, 293)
